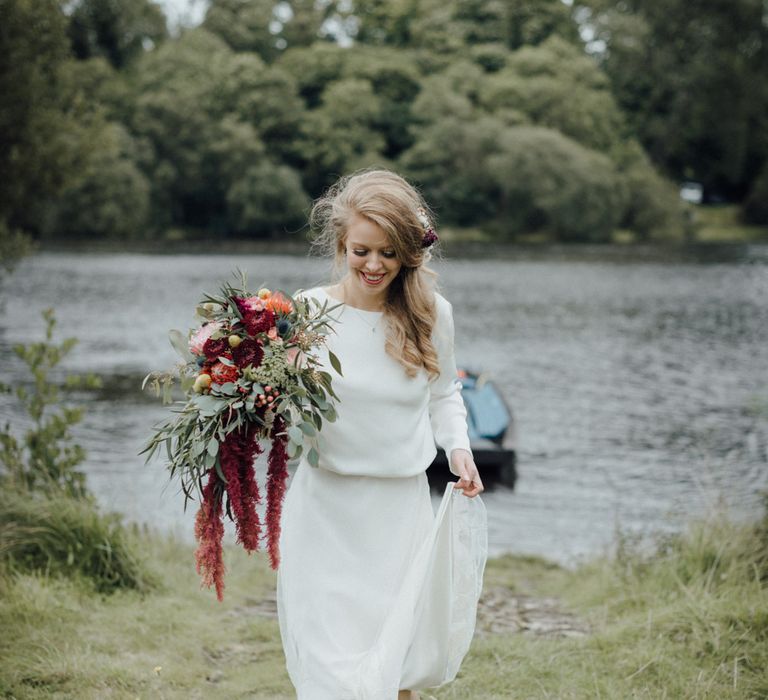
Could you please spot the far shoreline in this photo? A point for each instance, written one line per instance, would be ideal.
(672, 251)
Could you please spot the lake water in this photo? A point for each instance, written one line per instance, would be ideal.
(639, 386)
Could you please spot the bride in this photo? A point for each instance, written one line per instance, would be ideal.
(376, 593)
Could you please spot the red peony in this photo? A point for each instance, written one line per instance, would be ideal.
(215, 348)
(249, 352)
(259, 322)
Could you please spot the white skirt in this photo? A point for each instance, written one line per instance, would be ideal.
(376, 593)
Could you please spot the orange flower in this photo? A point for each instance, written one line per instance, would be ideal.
(221, 373)
(279, 304)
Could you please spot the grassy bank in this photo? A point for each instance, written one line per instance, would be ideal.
(722, 224)
(688, 621)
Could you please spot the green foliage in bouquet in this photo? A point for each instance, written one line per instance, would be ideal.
(223, 396)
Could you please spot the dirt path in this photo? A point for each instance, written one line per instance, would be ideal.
(499, 612)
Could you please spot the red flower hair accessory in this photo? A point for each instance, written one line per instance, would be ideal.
(430, 237)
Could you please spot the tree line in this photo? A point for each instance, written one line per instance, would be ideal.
(515, 117)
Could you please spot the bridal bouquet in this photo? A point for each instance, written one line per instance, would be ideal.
(250, 373)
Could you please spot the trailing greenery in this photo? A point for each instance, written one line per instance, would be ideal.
(49, 521)
(685, 616)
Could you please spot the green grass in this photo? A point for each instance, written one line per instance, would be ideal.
(722, 224)
(62, 640)
(688, 620)
(59, 534)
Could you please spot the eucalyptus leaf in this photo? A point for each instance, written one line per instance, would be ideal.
(313, 457)
(335, 362)
(180, 345)
(295, 434)
(219, 471)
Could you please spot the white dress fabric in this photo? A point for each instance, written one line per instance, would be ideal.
(375, 591)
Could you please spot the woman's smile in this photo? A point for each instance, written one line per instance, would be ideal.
(372, 280)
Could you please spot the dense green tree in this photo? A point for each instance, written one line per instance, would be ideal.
(691, 78)
(181, 98)
(456, 24)
(267, 27)
(305, 22)
(118, 30)
(314, 68)
(551, 183)
(102, 87)
(653, 209)
(35, 155)
(109, 197)
(395, 83)
(267, 98)
(450, 162)
(557, 86)
(208, 115)
(267, 199)
(340, 135)
(516, 23)
(244, 25)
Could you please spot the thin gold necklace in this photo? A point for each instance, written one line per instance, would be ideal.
(361, 312)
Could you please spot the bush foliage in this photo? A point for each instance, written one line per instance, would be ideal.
(49, 521)
(235, 126)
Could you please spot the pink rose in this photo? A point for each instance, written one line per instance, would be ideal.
(201, 335)
(252, 304)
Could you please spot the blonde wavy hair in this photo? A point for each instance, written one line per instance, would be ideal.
(389, 201)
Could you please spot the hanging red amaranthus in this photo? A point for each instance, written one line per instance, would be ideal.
(236, 455)
(209, 531)
(277, 474)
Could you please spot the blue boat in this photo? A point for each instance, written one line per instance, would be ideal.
(491, 430)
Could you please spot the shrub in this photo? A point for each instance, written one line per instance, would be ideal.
(56, 534)
(549, 182)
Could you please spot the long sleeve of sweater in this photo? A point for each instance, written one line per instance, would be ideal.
(447, 412)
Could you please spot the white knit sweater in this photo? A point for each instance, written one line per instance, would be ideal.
(387, 422)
